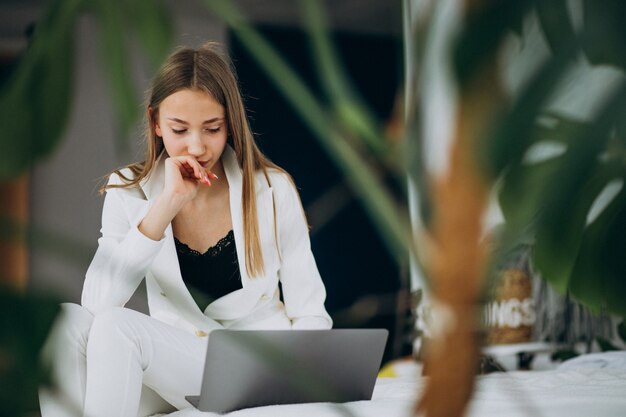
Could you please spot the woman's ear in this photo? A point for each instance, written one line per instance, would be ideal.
(153, 121)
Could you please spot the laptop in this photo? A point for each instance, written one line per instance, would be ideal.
(251, 368)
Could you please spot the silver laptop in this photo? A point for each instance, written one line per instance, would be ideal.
(257, 368)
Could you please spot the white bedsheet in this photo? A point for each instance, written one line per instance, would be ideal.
(572, 392)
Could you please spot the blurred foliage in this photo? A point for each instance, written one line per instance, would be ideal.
(563, 354)
(25, 321)
(36, 99)
(621, 331)
(605, 345)
(348, 131)
(35, 104)
(549, 199)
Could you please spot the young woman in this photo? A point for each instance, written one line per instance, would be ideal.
(212, 225)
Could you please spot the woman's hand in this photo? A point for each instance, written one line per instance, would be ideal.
(183, 176)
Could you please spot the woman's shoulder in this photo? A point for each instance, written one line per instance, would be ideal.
(122, 176)
(280, 180)
(121, 181)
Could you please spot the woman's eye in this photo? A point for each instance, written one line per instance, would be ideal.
(179, 131)
(213, 130)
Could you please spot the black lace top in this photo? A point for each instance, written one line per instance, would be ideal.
(212, 274)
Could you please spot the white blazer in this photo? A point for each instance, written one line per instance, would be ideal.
(125, 256)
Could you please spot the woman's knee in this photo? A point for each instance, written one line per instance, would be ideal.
(76, 316)
(70, 329)
(114, 323)
(118, 332)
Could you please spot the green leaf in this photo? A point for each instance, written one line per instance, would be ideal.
(512, 134)
(555, 127)
(556, 24)
(614, 263)
(570, 196)
(594, 280)
(567, 199)
(35, 101)
(390, 219)
(151, 21)
(16, 141)
(25, 321)
(620, 131)
(604, 42)
(605, 242)
(485, 28)
(561, 222)
(563, 355)
(526, 186)
(51, 90)
(517, 25)
(555, 196)
(522, 191)
(417, 39)
(352, 112)
(621, 330)
(115, 59)
(605, 345)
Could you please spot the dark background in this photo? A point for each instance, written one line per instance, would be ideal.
(353, 262)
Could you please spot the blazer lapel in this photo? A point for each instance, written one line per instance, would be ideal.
(237, 303)
(165, 268)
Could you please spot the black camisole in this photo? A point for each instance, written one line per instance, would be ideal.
(212, 274)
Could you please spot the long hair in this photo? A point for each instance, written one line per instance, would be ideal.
(206, 69)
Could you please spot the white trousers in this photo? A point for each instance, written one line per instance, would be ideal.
(114, 363)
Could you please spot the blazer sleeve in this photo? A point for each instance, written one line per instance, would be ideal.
(303, 289)
(123, 255)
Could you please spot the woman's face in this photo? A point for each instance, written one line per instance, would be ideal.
(192, 123)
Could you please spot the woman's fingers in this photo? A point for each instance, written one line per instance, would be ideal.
(188, 169)
(196, 168)
(193, 169)
(189, 166)
(207, 176)
(205, 180)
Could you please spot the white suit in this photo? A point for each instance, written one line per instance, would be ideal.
(125, 256)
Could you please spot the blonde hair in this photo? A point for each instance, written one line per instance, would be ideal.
(206, 69)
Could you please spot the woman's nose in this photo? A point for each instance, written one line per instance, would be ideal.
(195, 146)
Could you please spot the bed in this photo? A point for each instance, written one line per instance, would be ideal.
(588, 386)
